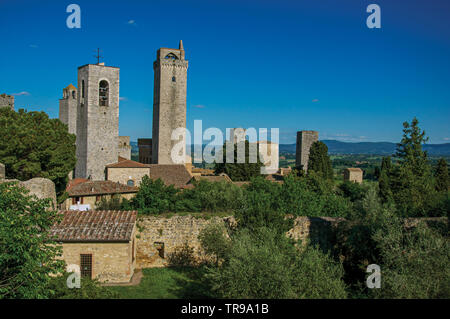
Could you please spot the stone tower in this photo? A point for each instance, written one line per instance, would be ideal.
(169, 102)
(7, 101)
(304, 141)
(68, 108)
(237, 135)
(125, 147)
(97, 120)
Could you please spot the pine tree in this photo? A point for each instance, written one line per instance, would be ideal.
(412, 181)
(441, 175)
(319, 161)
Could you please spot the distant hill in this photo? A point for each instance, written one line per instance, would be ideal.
(379, 148)
(338, 147)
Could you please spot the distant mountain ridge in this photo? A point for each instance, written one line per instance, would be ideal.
(376, 148)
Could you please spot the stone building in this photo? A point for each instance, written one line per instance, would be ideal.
(125, 147)
(353, 174)
(68, 108)
(101, 243)
(127, 172)
(145, 150)
(169, 103)
(304, 141)
(97, 120)
(7, 101)
(85, 192)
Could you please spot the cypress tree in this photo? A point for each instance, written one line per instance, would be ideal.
(441, 175)
(319, 161)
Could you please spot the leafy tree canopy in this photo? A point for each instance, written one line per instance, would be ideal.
(33, 145)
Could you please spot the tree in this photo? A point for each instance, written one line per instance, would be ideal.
(32, 145)
(319, 161)
(265, 264)
(154, 197)
(239, 171)
(441, 175)
(412, 182)
(27, 251)
(384, 181)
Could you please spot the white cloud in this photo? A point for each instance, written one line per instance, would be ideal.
(199, 106)
(21, 93)
(315, 100)
(132, 22)
(122, 98)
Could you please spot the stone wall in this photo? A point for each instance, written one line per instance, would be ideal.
(42, 188)
(111, 262)
(123, 174)
(155, 232)
(124, 147)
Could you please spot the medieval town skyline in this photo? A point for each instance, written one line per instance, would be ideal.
(245, 81)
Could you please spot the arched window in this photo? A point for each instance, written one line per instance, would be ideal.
(174, 79)
(171, 56)
(130, 183)
(103, 93)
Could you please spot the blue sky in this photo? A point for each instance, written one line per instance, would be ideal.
(293, 65)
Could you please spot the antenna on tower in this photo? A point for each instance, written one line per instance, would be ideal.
(98, 56)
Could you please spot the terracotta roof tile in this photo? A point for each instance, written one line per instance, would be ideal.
(354, 169)
(91, 188)
(92, 226)
(124, 163)
(175, 174)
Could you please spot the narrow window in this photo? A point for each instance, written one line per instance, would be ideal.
(73, 94)
(86, 265)
(82, 88)
(74, 200)
(174, 79)
(132, 251)
(103, 93)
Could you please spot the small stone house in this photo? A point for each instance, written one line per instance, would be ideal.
(85, 192)
(101, 243)
(353, 174)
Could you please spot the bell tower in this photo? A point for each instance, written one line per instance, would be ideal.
(97, 120)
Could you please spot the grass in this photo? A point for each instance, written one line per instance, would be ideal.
(167, 283)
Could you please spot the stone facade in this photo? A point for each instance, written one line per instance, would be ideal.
(124, 147)
(92, 200)
(158, 237)
(111, 262)
(68, 108)
(145, 150)
(304, 141)
(7, 101)
(169, 103)
(97, 120)
(353, 174)
(123, 175)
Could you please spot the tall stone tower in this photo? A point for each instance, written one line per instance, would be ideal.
(7, 101)
(304, 141)
(169, 102)
(97, 120)
(68, 108)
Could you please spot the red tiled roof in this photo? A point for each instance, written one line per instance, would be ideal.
(354, 169)
(92, 226)
(121, 159)
(91, 188)
(171, 174)
(76, 181)
(124, 163)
